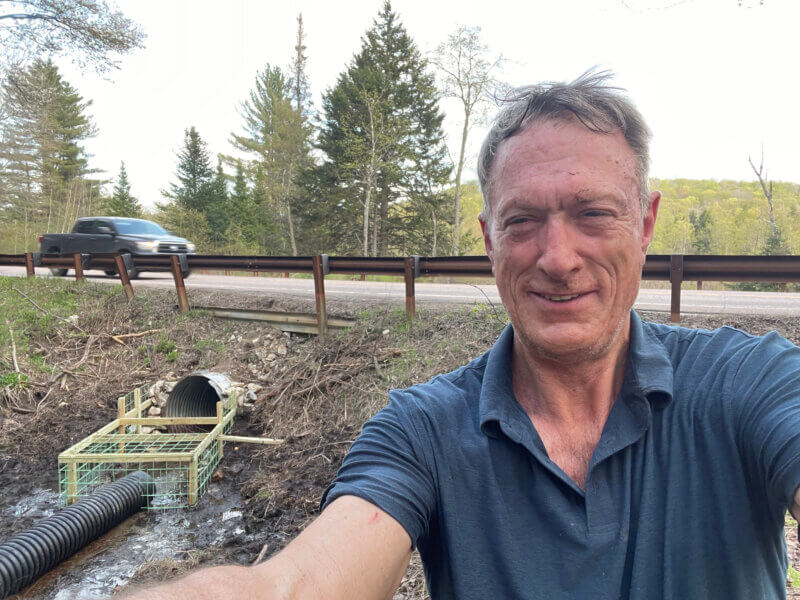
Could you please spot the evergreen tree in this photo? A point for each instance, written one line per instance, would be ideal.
(195, 174)
(216, 203)
(382, 137)
(277, 135)
(42, 162)
(122, 203)
(701, 231)
(242, 207)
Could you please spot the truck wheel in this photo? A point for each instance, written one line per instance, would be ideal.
(110, 273)
(58, 272)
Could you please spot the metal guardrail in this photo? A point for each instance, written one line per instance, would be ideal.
(675, 268)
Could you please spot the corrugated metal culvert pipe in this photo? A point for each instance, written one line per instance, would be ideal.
(196, 395)
(29, 555)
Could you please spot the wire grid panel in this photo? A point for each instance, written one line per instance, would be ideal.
(167, 458)
(130, 397)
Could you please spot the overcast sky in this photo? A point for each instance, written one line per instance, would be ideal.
(715, 80)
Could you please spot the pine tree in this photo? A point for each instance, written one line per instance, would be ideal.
(382, 136)
(277, 135)
(194, 174)
(216, 203)
(122, 203)
(42, 162)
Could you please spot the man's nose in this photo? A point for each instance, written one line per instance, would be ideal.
(558, 256)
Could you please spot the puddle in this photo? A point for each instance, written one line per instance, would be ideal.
(109, 562)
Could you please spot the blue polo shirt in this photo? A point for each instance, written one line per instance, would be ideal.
(685, 495)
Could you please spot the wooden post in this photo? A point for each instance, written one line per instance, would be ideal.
(220, 442)
(286, 275)
(72, 481)
(29, 264)
(120, 416)
(363, 277)
(137, 401)
(77, 260)
(193, 481)
(699, 285)
(319, 292)
(675, 279)
(409, 278)
(123, 277)
(180, 286)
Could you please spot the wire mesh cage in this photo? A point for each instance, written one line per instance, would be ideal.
(180, 463)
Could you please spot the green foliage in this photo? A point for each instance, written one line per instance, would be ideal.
(13, 379)
(794, 577)
(43, 166)
(165, 346)
(171, 356)
(195, 175)
(89, 31)
(122, 203)
(383, 144)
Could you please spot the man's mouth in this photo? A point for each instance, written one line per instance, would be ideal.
(559, 297)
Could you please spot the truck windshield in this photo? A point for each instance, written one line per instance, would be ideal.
(137, 227)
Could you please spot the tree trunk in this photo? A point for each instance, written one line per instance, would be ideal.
(457, 191)
(367, 200)
(435, 231)
(291, 227)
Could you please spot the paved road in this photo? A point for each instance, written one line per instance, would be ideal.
(734, 302)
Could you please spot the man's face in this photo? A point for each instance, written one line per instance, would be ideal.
(566, 238)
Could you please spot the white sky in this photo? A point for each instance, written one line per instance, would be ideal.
(715, 81)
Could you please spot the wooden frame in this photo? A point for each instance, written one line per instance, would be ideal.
(116, 433)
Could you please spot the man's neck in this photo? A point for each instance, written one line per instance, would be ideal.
(568, 392)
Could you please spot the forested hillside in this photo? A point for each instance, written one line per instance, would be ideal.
(366, 173)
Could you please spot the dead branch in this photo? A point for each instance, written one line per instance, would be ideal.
(13, 349)
(119, 338)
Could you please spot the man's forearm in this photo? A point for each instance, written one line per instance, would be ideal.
(215, 583)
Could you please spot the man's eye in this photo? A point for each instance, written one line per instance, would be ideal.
(596, 213)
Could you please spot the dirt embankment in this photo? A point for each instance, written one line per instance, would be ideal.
(314, 393)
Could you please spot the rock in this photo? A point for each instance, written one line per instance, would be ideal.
(281, 350)
(146, 429)
(169, 386)
(155, 432)
(385, 332)
(62, 404)
(250, 395)
(160, 384)
(270, 357)
(255, 341)
(170, 376)
(154, 411)
(72, 319)
(217, 476)
(153, 391)
(231, 514)
(162, 399)
(254, 387)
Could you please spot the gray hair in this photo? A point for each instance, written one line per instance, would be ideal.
(598, 106)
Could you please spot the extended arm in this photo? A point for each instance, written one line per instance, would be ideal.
(796, 506)
(352, 550)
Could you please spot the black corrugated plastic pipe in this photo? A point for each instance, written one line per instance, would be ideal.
(29, 555)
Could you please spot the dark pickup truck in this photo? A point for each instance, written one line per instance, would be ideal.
(114, 234)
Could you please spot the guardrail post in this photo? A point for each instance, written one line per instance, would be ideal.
(318, 264)
(77, 261)
(411, 272)
(29, 264)
(699, 285)
(675, 279)
(122, 271)
(180, 286)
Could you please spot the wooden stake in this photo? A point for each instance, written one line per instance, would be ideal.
(77, 260)
(675, 279)
(29, 264)
(220, 441)
(180, 286)
(409, 279)
(137, 402)
(319, 292)
(72, 482)
(123, 277)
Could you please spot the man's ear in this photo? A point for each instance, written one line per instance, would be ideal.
(649, 221)
(487, 240)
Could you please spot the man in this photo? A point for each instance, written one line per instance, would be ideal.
(588, 454)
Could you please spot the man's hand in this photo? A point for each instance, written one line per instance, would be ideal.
(352, 550)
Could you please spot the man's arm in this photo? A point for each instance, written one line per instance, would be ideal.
(795, 510)
(352, 550)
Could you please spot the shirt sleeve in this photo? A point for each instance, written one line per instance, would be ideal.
(767, 383)
(385, 466)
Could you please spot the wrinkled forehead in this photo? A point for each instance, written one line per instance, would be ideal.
(564, 146)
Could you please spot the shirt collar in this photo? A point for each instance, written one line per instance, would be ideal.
(648, 374)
